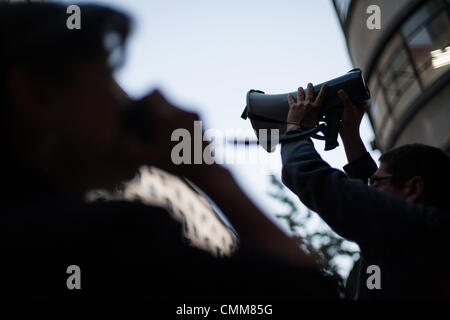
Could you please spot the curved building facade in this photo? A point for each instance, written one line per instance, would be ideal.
(407, 67)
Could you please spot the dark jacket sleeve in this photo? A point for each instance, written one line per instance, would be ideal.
(350, 207)
(362, 168)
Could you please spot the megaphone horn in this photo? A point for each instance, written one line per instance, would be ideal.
(268, 113)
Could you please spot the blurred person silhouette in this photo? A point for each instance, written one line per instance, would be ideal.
(63, 134)
(398, 213)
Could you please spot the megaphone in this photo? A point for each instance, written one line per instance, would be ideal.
(268, 113)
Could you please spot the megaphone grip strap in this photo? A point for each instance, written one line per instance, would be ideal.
(299, 134)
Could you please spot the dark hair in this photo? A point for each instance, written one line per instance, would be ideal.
(428, 162)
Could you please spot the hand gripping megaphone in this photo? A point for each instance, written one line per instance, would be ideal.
(268, 113)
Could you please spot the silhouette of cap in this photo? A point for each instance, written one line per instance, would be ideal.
(38, 33)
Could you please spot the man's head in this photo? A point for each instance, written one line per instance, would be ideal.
(416, 173)
(60, 103)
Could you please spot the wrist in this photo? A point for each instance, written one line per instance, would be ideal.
(292, 127)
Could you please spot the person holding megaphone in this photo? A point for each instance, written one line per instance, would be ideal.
(397, 214)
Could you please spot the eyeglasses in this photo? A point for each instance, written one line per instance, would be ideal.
(373, 179)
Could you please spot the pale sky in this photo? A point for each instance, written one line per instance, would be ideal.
(205, 56)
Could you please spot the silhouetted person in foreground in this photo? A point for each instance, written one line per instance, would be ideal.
(63, 134)
(400, 220)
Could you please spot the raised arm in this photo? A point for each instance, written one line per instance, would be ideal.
(254, 228)
(352, 208)
(349, 206)
(360, 163)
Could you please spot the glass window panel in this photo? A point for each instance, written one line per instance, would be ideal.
(393, 51)
(439, 29)
(427, 47)
(406, 99)
(378, 109)
(434, 34)
(420, 17)
(397, 77)
(394, 45)
(386, 129)
(373, 82)
(404, 76)
(387, 78)
(439, 64)
(421, 39)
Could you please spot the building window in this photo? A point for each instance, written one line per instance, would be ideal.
(379, 107)
(426, 43)
(412, 60)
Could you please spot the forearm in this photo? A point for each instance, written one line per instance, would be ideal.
(353, 146)
(252, 226)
